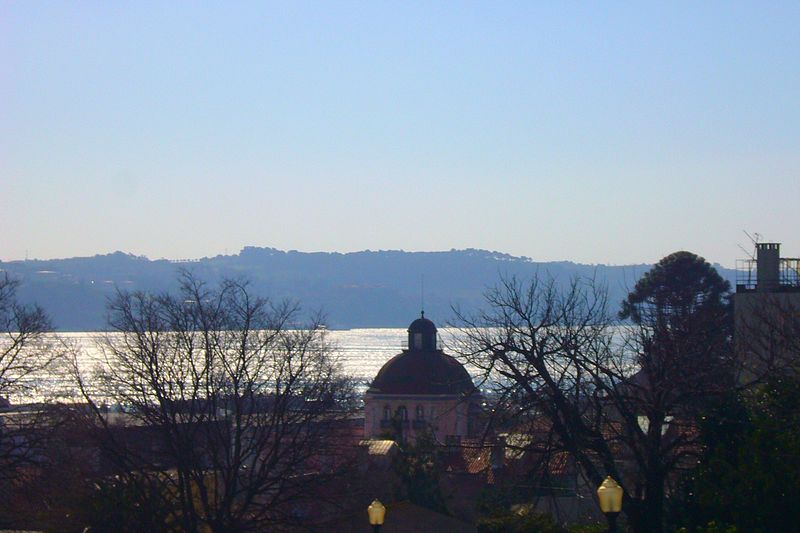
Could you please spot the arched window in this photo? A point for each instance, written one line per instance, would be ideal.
(387, 412)
(402, 413)
(420, 413)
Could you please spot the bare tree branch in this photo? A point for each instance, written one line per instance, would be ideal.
(239, 398)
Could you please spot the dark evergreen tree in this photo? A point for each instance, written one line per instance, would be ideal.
(683, 325)
(624, 402)
(750, 478)
(680, 288)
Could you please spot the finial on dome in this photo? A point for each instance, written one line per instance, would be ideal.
(422, 314)
(422, 294)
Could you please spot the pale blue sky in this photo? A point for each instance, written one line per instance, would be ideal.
(609, 132)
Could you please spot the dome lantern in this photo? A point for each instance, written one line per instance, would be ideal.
(422, 334)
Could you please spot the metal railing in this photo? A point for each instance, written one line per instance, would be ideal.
(747, 273)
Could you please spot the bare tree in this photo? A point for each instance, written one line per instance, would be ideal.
(25, 349)
(26, 354)
(234, 401)
(767, 335)
(621, 401)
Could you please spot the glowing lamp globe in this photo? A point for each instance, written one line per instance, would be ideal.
(610, 495)
(376, 512)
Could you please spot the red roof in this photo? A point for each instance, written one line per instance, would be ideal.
(422, 372)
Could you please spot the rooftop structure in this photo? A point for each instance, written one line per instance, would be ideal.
(768, 271)
(767, 314)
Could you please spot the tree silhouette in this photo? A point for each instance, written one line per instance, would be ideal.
(235, 401)
(621, 400)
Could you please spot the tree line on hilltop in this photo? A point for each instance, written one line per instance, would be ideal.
(359, 289)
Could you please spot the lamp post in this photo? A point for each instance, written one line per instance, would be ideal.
(609, 493)
(376, 512)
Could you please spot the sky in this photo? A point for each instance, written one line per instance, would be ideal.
(596, 132)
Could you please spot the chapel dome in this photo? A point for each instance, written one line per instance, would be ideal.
(422, 368)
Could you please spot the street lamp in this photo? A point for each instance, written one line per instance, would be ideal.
(610, 495)
(376, 512)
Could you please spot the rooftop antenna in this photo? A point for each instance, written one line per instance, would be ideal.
(755, 238)
(752, 255)
(748, 254)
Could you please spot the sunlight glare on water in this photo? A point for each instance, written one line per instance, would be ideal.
(362, 352)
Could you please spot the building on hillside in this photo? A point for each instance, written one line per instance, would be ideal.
(421, 390)
(767, 311)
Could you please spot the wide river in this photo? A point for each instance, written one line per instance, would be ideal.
(362, 351)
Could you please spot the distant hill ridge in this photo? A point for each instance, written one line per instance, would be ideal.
(353, 289)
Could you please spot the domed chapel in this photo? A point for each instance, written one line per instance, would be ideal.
(421, 389)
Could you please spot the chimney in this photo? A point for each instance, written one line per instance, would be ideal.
(768, 266)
